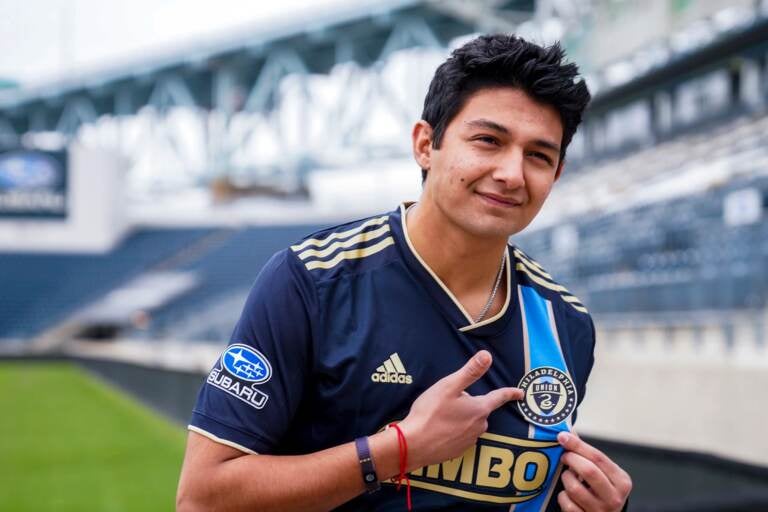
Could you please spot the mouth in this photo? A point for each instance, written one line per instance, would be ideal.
(496, 200)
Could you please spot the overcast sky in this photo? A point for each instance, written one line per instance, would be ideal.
(41, 39)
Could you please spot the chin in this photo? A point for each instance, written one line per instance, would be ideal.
(482, 224)
(495, 229)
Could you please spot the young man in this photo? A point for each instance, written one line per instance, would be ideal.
(423, 317)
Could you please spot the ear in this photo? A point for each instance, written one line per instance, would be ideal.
(559, 170)
(421, 138)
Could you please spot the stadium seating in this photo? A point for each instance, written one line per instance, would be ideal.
(39, 290)
(673, 254)
(225, 274)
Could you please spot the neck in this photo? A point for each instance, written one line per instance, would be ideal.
(466, 264)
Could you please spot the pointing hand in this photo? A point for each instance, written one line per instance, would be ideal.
(445, 420)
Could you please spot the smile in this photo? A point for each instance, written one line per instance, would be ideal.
(498, 201)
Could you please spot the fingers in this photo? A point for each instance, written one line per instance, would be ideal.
(468, 374)
(578, 493)
(567, 504)
(617, 476)
(498, 397)
(475, 368)
(591, 474)
(606, 481)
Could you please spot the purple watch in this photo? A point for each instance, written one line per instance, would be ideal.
(366, 465)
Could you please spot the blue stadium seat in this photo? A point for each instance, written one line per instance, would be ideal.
(40, 290)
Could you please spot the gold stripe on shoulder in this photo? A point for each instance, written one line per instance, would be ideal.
(357, 239)
(575, 302)
(562, 290)
(321, 242)
(571, 298)
(539, 280)
(351, 254)
(528, 262)
(580, 309)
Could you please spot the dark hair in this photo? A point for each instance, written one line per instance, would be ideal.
(505, 61)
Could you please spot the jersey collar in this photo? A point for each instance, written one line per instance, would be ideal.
(440, 293)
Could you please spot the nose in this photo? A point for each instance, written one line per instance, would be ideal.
(510, 170)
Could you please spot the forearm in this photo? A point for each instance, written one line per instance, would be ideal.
(315, 482)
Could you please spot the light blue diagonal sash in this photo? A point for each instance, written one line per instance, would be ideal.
(542, 349)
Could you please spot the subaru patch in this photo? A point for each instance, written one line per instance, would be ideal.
(246, 363)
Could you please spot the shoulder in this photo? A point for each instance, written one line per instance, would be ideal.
(279, 281)
(348, 248)
(529, 272)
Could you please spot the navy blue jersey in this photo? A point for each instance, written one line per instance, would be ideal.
(344, 330)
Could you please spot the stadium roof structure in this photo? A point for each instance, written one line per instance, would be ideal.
(749, 42)
(243, 72)
(255, 59)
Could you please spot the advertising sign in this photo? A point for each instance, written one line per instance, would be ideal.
(33, 184)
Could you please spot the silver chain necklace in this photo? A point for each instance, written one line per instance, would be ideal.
(495, 289)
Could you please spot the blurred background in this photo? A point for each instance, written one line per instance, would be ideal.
(154, 154)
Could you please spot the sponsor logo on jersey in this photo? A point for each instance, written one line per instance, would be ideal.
(550, 396)
(240, 390)
(392, 371)
(497, 469)
(241, 370)
(246, 363)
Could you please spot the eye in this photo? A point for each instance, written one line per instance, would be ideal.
(487, 139)
(541, 156)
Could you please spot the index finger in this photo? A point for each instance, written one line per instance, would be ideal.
(468, 374)
(574, 443)
(498, 397)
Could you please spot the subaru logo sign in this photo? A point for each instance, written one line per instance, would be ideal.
(28, 170)
(246, 363)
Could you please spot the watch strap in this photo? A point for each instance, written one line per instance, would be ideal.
(367, 468)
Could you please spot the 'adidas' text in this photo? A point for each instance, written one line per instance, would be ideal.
(392, 371)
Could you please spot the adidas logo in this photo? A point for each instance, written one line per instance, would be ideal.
(392, 371)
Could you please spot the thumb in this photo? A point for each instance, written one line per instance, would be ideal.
(468, 374)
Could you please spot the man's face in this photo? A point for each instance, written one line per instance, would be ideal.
(497, 162)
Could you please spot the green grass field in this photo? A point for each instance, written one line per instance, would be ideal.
(71, 443)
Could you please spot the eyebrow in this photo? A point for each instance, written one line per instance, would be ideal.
(485, 123)
(547, 145)
(492, 125)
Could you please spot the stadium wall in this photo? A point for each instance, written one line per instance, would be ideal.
(687, 387)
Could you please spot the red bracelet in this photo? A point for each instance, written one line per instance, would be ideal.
(403, 446)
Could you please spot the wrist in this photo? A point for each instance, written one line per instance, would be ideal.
(367, 465)
(385, 451)
(415, 460)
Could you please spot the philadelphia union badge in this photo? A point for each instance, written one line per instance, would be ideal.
(550, 396)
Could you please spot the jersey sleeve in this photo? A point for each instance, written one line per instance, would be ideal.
(254, 389)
